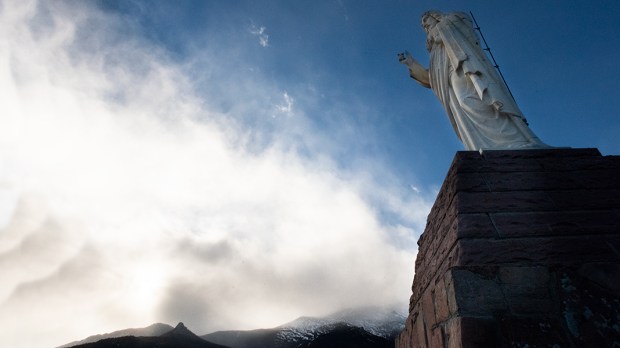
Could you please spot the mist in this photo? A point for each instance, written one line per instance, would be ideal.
(129, 195)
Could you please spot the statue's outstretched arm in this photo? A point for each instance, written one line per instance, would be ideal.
(416, 70)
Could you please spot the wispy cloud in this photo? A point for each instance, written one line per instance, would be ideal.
(130, 196)
(286, 107)
(261, 33)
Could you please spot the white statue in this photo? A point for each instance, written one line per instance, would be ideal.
(482, 111)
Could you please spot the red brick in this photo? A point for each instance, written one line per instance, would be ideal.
(438, 215)
(442, 311)
(428, 309)
(437, 338)
(420, 339)
(433, 239)
(450, 295)
(424, 276)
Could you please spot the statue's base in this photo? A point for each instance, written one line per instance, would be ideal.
(521, 249)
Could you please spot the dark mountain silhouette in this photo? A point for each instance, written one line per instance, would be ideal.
(364, 328)
(157, 329)
(346, 336)
(267, 338)
(369, 327)
(179, 337)
(341, 335)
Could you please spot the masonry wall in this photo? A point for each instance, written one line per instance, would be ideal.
(521, 249)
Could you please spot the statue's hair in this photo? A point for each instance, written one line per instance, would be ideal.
(432, 13)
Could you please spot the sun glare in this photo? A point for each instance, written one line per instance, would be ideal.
(144, 288)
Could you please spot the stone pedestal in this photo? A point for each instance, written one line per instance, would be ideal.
(521, 249)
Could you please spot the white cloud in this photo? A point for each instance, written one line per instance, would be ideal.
(286, 108)
(261, 33)
(126, 199)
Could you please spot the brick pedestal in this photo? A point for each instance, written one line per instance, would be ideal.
(521, 249)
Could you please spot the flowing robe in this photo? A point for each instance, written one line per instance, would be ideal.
(479, 106)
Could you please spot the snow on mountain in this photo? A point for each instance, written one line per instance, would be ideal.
(378, 321)
(368, 327)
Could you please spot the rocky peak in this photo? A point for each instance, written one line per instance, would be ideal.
(180, 330)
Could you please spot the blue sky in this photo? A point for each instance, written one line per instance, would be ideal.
(237, 164)
(557, 59)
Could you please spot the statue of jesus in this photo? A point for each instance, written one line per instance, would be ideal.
(482, 112)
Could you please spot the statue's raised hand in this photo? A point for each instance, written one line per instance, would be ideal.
(416, 70)
(406, 58)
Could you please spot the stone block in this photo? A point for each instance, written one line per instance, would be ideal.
(584, 163)
(595, 179)
(545, 250)
(420, 337)
(423, 279)
(437, 246)
(589, 311)
(605, 275)
(434, 243)
(522, 248)
(438, 217)
(528, 181)
(466, 161)
(440, 300)
(477, 294)
(468, 332)
(586, 199)
(493, 202)
(501, 165)
(546, 155)
(533, 276)
(437, 339)
(450, 294)
(471, 182)
(428, 309)
(542, 331)
(476, 225)
(555, 223)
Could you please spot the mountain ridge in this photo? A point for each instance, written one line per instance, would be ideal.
(366, 327)
(378, 327)
(178, 337)
(156, 329)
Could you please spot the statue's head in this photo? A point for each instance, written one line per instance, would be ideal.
(430, 18)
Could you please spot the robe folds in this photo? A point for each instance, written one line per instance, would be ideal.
(481, 110)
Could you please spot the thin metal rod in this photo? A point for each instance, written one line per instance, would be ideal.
(488, 49)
